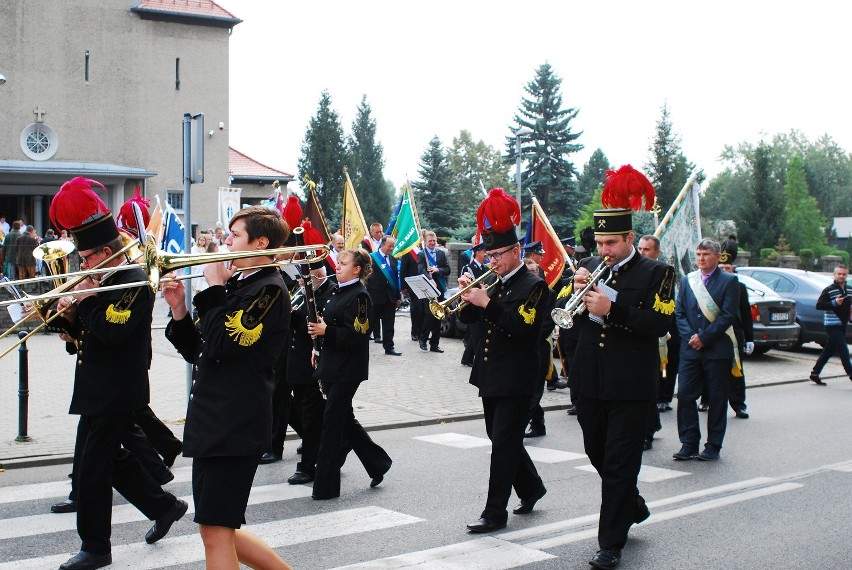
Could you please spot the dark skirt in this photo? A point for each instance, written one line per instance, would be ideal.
(221, 488)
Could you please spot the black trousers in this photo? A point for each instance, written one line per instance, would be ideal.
(160, 436)
(612, 436)
(511, 466)
(697, 376)
(536, 411)
(430, 329)
(835, 344)
(417, 307)
(313, 407)
(285, 410)
(340, 428)
(104, 466)
(384, 314)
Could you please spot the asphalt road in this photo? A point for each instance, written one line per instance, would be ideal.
(778, 498)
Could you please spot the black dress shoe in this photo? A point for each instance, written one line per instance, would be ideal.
(525, 507)
(709, 454)
(606, 558)
(299, 449)
(668, 406)
(269, 457)
(376, 481)
(661, 406)
(165, 477)
(164, 523)
(423, 345)
(648, 444)
(87, 561)
(685, 454)
(300, 478)
(66, 506)
(742, 414)
(436, 349)
(535, 432)
(169, 458)
(485, 525)
(641, 512)
(703, 407)
(415, 337)
(393, 352)
(560, 384)
(816, 379)
(377, 340)
(572, 410)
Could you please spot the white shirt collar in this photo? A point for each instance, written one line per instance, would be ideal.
(512, 272)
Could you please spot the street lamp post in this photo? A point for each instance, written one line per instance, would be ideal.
(521, 132)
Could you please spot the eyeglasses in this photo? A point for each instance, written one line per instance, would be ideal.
(85, 258)
(496, 255)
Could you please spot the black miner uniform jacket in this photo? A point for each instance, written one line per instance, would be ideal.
(620, 360)
(299, 369)
(241, 331)
(345, 357)
(113, 331)
(507, 361)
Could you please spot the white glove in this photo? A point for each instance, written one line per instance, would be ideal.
(748, 348)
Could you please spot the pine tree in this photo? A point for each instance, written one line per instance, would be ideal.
(366, 163)
(434, 193)
(548, 174)
(323, 158)
(475, 166)
(763, 215)
(668, 169)
(804, 221)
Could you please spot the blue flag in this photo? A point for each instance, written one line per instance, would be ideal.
(173, 233)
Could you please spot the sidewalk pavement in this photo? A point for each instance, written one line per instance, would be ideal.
(417, 388)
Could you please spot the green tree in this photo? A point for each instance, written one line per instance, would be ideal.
(475, 166)
(763, 216)
(594, 172)
(366, 163)
(829, 173)
(549, 173)
(586, 215)
(804, 221)
(434, 191)
(323, 158)
(668, 168)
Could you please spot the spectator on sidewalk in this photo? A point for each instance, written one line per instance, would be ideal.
(836, 301)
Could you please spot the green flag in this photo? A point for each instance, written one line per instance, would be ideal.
(405, 229)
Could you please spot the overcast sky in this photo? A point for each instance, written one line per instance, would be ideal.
(731, 71)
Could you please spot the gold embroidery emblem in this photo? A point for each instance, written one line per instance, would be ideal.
(361, 323)
(527, 314)
(665, 307)
(242, 335)
(565, 291)
(117, 316)
(601, 223)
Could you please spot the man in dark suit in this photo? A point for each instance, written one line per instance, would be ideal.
(506, 365)
(476, 269)
(744, 331)
(383, 287)
(616, 364)
(373, 240)
(408, 268)
(707, 305)
(113, 332)
(432, 262)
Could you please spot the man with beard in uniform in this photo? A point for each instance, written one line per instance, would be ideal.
(616, 365)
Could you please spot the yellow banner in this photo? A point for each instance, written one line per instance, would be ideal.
(353, 227)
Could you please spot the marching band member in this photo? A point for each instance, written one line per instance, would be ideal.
(243, 320)
(113, 330)
(432, 262)
(511, 313)
(343, 364)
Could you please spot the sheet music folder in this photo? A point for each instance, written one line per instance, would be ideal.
(422, 287)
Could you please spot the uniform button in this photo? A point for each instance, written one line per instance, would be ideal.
(489, 332)
(190, 396)
(485, 359)
(80, 352)
(603, 335)
(486, 350)
(79, 363)
(601, 345)
(487, 340)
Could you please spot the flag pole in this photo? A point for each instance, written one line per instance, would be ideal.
(676, 204)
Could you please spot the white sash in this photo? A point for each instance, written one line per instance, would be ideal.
(711, 311)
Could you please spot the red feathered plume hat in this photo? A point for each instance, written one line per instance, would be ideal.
(312, 236)
(125, 214)
(496, 218)
(78, 209)
(292, 214)
(623, 193)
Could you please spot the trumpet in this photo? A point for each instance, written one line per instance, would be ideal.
(441, 309)
(574, 307)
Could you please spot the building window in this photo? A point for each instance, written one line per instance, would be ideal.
(39, 141)
(174, 198)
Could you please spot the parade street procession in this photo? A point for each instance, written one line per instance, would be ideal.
(525, 356)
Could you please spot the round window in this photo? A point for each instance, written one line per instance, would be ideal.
(39, 141)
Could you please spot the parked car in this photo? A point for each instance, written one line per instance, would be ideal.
(773, 317)
(452, 327)
(804, 287)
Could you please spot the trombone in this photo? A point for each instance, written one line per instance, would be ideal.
(574, 307)
(441, 309)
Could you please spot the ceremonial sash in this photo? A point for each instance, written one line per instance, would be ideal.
(711, 311)
(386, 270)
(439, 279)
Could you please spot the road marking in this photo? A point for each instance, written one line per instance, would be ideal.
(54, 489)
(845, 467)
(50, 523)
(545, 455)
(456, 440)
(647, 474)
(188, 549)
(485, 553)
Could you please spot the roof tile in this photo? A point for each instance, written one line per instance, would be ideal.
(241, 165)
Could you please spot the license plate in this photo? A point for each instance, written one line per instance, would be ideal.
(779, 317)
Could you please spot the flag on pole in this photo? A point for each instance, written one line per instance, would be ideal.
(353, 226)
(405, 228)
(155, 224)
(173, 233)
(229, 203)
(313, 210)
(680, 229)
(539, 229)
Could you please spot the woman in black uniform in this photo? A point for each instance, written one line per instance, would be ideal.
(243, 316)
(343, 365)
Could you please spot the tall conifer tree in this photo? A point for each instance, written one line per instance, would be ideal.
(434, 191)
(668, 169)
(366, 163)
(323, 158)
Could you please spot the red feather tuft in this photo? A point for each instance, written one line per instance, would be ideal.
(625, 188)
(292, 212)
(125, 214)
(311, 235)
(76, 203)
(501, 211)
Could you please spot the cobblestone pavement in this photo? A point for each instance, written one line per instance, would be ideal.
(415, 388)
